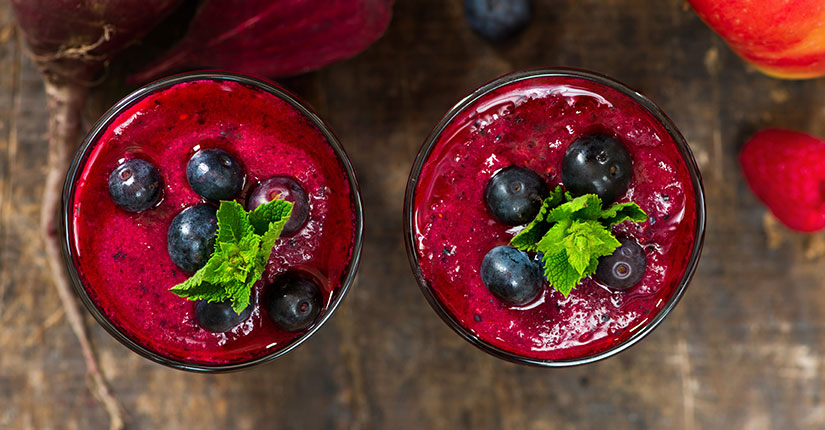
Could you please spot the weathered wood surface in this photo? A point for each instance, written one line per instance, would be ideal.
(744, 348)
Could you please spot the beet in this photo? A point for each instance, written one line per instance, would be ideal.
(274, 38)
(71, 41)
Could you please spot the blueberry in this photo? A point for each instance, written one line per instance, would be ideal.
(624, 268)
(219, 317)
(214, 174)
(286, 188)
(191, 237)
(497, 19)
(597, 164)
(293, 301)
(514, 195)
(511, 275)
(135, 185)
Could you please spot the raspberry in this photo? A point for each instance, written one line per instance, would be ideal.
(786, 171)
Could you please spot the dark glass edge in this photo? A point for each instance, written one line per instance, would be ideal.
(99, 128)
(426, 149)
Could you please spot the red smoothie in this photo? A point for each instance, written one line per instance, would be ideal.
(530, 123)
(121, 257)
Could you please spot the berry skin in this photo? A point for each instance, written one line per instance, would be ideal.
(214, 174)
(135, 185)
(514, 195)
(286, 188)
(219, 317)
(511, 275)
(597, 164)
(784, 169)
(191, 237)
(293, 302)
(624, 268)
(497, 20)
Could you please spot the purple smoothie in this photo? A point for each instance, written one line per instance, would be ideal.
(121, 257)
(530, 123)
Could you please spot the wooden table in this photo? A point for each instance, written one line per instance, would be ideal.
(744, 349)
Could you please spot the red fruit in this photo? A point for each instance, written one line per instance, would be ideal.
(786, 171)
(274, 38)
(783, 38)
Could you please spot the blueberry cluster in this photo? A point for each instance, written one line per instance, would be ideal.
(593, 164)
(215, 175)
(293, 301)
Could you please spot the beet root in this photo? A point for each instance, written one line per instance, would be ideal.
(71, 41)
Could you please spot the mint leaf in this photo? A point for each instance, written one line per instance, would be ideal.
(240, 253)
(573, 233)
(587, 241)
(195, 280)
(233, 222)
(560, 273)
(276, 211)
(272, 233)
(190, 284)
(588, 206)
(213, 272)
(527, 238)
(239, 293)
(553, 241)
(621, 212)
(205, 291)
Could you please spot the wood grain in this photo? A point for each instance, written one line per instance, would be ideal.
(744, 348)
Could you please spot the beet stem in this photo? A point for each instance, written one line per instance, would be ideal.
(65, 104)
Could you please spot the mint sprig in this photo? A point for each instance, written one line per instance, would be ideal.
(573, 233)
(242, 247)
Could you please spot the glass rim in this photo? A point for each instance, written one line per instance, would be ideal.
(99, 128)
(432, 139)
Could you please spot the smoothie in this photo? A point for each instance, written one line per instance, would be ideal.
(121, 258)
(529, 120)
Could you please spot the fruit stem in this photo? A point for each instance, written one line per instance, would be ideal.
(65, 103)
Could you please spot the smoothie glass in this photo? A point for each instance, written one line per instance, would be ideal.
(118, 261)
(529, 118)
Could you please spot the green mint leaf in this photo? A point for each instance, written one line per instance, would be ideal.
(206, 291)
(233, 222)
(196, 288)
(276, 211)
(235, 263)
(188, 285)
(273, 231)
(553, 241)
(621, 212)
(588, 206)
(212, 272)
(573, 233)
(239, 293)
(195, 280)
(528, 238)
(591, 269)
(240, 255)
(560, 273)
(586, 241)
(577, 252)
